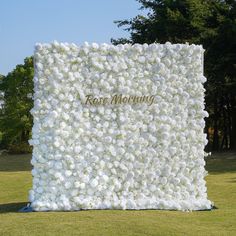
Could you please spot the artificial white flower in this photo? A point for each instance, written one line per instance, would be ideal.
(119, 156)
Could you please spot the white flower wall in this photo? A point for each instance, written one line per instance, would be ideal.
(133, 154)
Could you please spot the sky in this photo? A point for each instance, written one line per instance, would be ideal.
(23, 23)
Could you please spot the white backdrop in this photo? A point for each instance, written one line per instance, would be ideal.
(118, 127)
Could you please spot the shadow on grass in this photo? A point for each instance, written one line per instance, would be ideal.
(12, 207)
(233, 180)
(19, 162)
(220, 163)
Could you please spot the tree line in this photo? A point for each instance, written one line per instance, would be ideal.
(211, 23)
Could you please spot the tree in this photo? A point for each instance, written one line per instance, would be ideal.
(177, 21)
(15, 120)
(221, 70)
(1, 93)
(1, 105)
(211, 23)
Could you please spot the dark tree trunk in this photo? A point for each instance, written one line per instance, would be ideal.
(229, 117)
(215, 145)
(233, 131)
(207, 148)
(224, 142)
(24, 136)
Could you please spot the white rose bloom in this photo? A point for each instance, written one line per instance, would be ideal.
(135, 154)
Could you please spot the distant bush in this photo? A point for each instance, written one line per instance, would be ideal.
(19, 148)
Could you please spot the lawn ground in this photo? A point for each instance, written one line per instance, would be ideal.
(15, 181)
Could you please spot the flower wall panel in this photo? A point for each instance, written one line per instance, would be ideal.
(118, 127)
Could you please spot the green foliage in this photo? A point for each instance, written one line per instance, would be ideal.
(179, 21)
(16, 120)
(19, 148)
(211, 23)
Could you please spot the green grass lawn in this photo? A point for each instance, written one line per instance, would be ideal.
(15, 181)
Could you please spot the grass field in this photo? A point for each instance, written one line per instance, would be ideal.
(15, 181)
